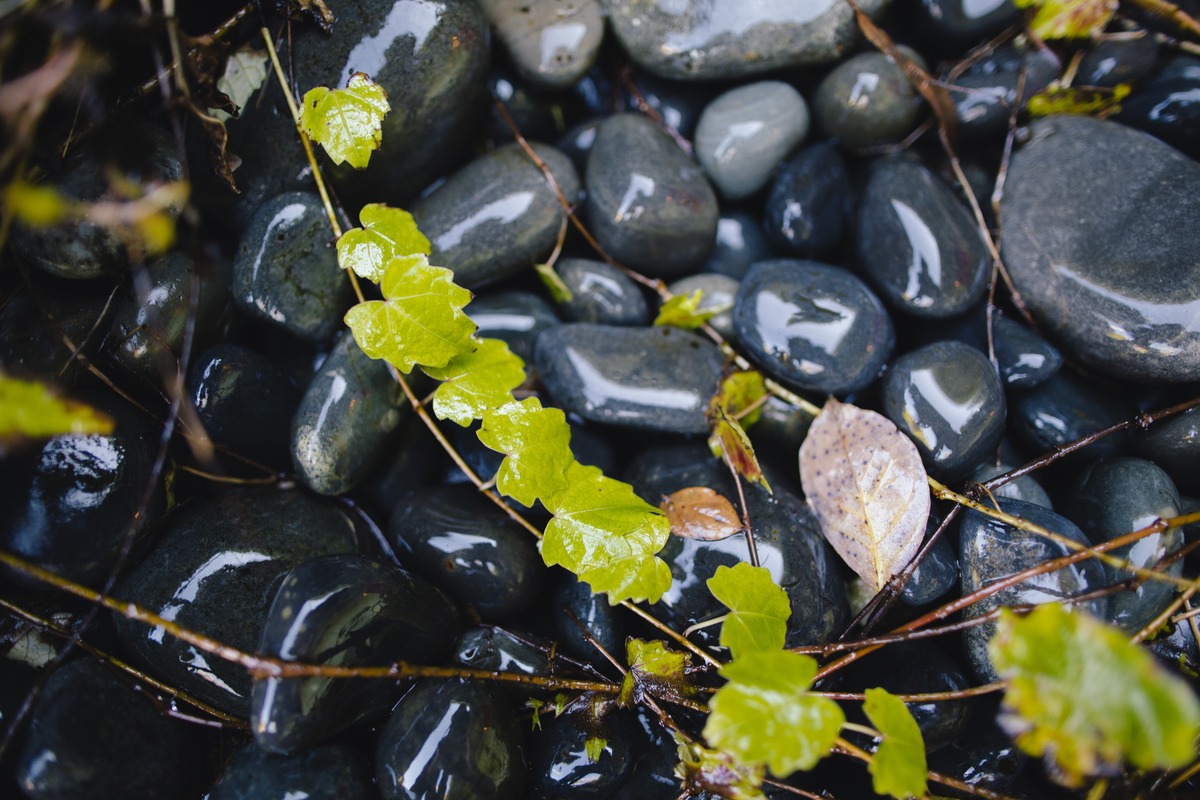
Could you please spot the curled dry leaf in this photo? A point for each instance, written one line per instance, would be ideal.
(698, 512)
(867, 486)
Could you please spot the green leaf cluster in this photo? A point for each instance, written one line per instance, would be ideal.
(684, 311)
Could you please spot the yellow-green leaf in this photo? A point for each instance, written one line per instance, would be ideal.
(476, 382)
(386, 232)
(740, 391)
(898, 767)
(593, 748)
(536, 443)
(1069, 19)
(758, 608)
(729, 439)
(29, 409)
(37, 206)
(1096, 101)
(683, 311)
(348, 122)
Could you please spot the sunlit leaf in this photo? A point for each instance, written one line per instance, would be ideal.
(536, 443)
(698, 512)
(38, 206)
(867, 486)
(1069, 19)
(765, 714)
(476, 382)
(683, 311)
(1096, 101)
(656, 670)
(29, 409)
(898, 767)
(386, 232)
(607, 536)
(758, 608)
(245, 71)
(720, 774)
(348, 122)
(729, 439)
(553, 282)
(419, 321)
(1084, 697)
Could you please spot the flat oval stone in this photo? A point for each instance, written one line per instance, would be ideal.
(917, 243)
(746, 132)
(717, 291)
(1117, 495)
(328, 772)
(342, 424)
(651, 378)
(984, 95)
(1119, 286)
(552, 43)
(866, 101)
(516, 317)
(810, 204)
(601, 293)
(213, 571)
(286, 272)
(936, 574)
(740, 242)
(990, 550)
(964, 23)
(496, 216)
(815, 327)
(947, 397)
(469, 548)
(344, 610)
(1109, 62)
(649, 205)
(723, 39)
(451, 738)
(560, 765)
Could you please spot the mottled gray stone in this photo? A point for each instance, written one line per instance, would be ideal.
(498, 215)
(653, 378)
(1099, 237)
(1174, 444)
(716, 290)
(601, 293)
(746, 132)
(552, 43)
(866, 101)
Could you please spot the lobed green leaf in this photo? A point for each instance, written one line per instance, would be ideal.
(536, 443)
(476, 382)
(899, 765)
(758, 608)
(386, 232)
(1069, 19)
(348, 122)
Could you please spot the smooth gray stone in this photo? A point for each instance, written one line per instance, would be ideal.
(328, 772)
(984, 95)
(1065, 408)
(552, 43)
(213, 571)
(722, 39)
(1113, 497)
(651, 378)
(286, 272)
(810, 205)
(1025, 359)
(745, 133)
(496, 216)
(815, 327)
(947, 398)
(342, 424)
(1099, 237)
(866, 101)
(516, 317)
(649, 205)
(1023, 488)
(739, 243)
(1174, 444)
(601, 293)
(918, 244)
(990, 550)
(716, 290)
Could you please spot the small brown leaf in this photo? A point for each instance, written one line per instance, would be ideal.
(729, 440)
(867, 486)
(698, 512)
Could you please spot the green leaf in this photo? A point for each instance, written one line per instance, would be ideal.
(740, 391)
(1085, 697)
(656, 670)
(386, 232)
(683, 311)
(758, 608)
(1069, 19)
(553, 282)
(29, 409)
(898, 767)
(729, 439)
(765, 714)
(1096, 101)
(704, 770)
(348, 122)
(419, 321)
(476, 382)
(536, 443)
(594, 747)
(608, 536)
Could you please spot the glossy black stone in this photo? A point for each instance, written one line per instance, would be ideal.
(990, 550)
(1065, 408)
(491, 648)
(985, 93)
(1025, 359)
(601, 293)
(451, 739)
(39, 312)
(815, 327)
(1168, 106)
(866, 101)
(575, 605)
(739, 243)
(1113, 61)
(328, 772)
(963, 23)
(1174, 444)
(460, 542)
(1024, 488)
(559, 764)
(936, 574)
(947, 397)
(650, 378)
(343, 610)
(810, 203)
(514, 316)
(678, 102)
(213, 571)
(985, 756)
(917, 243)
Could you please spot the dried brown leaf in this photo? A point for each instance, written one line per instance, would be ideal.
(698, 512)
(867, 486)
(315, 9)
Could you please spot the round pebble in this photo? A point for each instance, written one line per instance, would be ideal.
(810, 204)
(601, 293)
(867, 101)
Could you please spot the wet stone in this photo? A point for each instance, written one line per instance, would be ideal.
(936, 574)
(1174, 444)
(491, 648)
(809, 207)
(213, 572)
(34, 319)
(328, 772)
(531, 113)
(985, 756)
(1113, 497)
(725, 39)
(91, 734)
(1112, 61)
(514, 316)
(716, 291)
(574, 605)
(344, 610)
(286, 272)
(948, 399)
(985, 93)
(461, 731)
(342, 424)
(1024, 488)
(1065, 408)
(649, 205)
(1116, 287)
(964, 23)
(559, 764)
(867, 101)
(552, 43)
(917, 243)
(678, 103)
(739, 243)
(1177, 648)
(990, 550)
(1025, 359)
(601, 293)
(650, 378)
(462, 543)
(498, 215)
(1168, 106)
(746, 132)
(812, 326)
